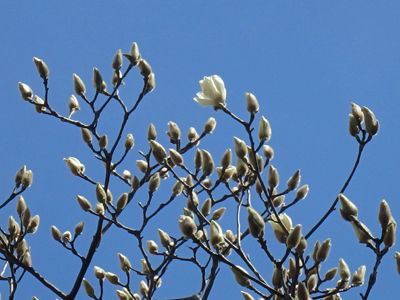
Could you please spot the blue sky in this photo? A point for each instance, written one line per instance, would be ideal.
(304, 61)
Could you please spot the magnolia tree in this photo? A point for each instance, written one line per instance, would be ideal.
(208, 188)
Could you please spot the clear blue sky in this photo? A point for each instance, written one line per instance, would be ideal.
(305, 62)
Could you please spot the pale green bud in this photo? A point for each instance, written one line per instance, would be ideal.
(251, 103)
(240, 148)
(206, 207)
(344, 271)
(19, 175)
(323, 251)
(55, 233)
(256, 223)
(159, 152)
(134, 55)
(151, 132)
(208, 163)
(112, 278)
(294, 181)
(26, 259)
(151, 83)
(25, 91)
(210, 125)
(218, 214)
(84, 203)
(176, 157)
(302, 192)
(397, 257)
(26, 217)
(330, 274)
(27, 179)
(41, 67)
(178, 187)
(99, 209)
(198, 159)
(384, 214)
(154, 182)
(117, 60)
(174, 132)
(278, 200)
(122, 295)
(100, 193)
(103, 142)
(124, 263)
(359, 276)
(187, 226)
(348, 208)
(357, 112)
(129, 142)
(371, 123)
(144, 68)
(165, 240)
(79, 86)
(240, 278)
(241, 167)
(78, 229)
(216, 235)
(354, 129)
(135, 183)
(207, 183)
(152, 247)
(89, 290)
(73, 105)
(268, 152)
(86, 136)
(312, 282)
(294, 237)
(273, 177)
(22, 248)
(97, 80)
(33, 224)
(192, 135)
(21, 205)
(226, 159)
(302, 292)
(99, 273)
(121, 202)
(142, 166)
(143, 289)
(390, 236)
(247, 296)
(264, 131)
(192, 201)
(39, 105)
(362, 232)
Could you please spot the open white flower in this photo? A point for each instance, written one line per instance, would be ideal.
(213, 92)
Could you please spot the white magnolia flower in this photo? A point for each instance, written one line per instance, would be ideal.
(74, 165)
(213, 92)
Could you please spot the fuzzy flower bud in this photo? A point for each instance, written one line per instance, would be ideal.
(174, 132)
(103, 142)
(134, 55)
(79, 86)
(99, 273)
(154, 182)
(256, 223)
(384, 214)
(41, 67)
(216, 235)
(358, 276)
(143, 289)
(206, 207)
(348, 208)
(251, 103)
(27, 260)
(187, 226)
(371, 123)
(240, 278)
(66, 237)
(302, 292)
(354, 129)
(294, 237)
(302, 192)
(210, 125)
(129, 142)
(144, 68)
(74, 166)
(324, 250)
(124, 263)
(208, 163)
(264, 131)
(27, 179)
(78, 229)
(218, 214)
(25, 91)
(397, 257)
(151, 132)
(159, 152)
(152, 247)
(121, 202)
(21, 205)
(55, 233)
(89, 290)
(240, 148)
(176, 157)
(165, 240)
(117, 60)
(73, 105)
(273, 177)
(19, 175)
(150, 83)
(294, 181)
(112, 278)
(344, 271)
(357, 112)
(84, 203)
(86, 136)
(362, 232)
(268, 152)
(192, 135)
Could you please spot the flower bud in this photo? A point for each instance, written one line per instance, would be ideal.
(150, 83)
(240, 148)
(348, 208)
(362, 232)
(122, 295)
(251, 103)
(390, 236)
(144, 68)
(129, 142)
(256, 223)
(103, 142)
(354, 129)
(218, 214)
(176, 157)
(165, 240)
(152, 247)
(66, 237)
(216, 235)
(143, 289)
(26, 259)
(210, 125)
(22, 248)
(73, 105)
(97, 80)
(241, 167)
(357, 113)
(344, 271)
(79, 86)
(124, 263)
(226, 159)
(39, 105)
(302, 292)
(41, 67)
(278, 200)
(286, 220)
(86, 136)
(117, 60)
(89, 290)
(206, 207)
(330, 274)
(112, 278)
(198, 159)
(208, 163)
(135, 183)
(74, 166)
(174, 132)
(154, 182)
(158, 151)
(134, 55)
(19, 175)
(21, 205)
(84, 203)
(273, 177)
(121, 202)
(323, 251)
(27, 179)
(302, 192)
(397, 257)
(301, 246)
(358, 276)
(312, 282)
(268, 152)
(384, 214)
(277, 277)
(25, 91)
(192, 135)
(55, 233)
(187, 226)
(240, 278)
(99, 273)
(371, 123)
(79, 228)
(264, 131)
(151, 132)
(294, 181)
(100, 193)
(26, 217)
(294, 237)
(99, 209)
(192, 201)
(33, 224)
(247, 296)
